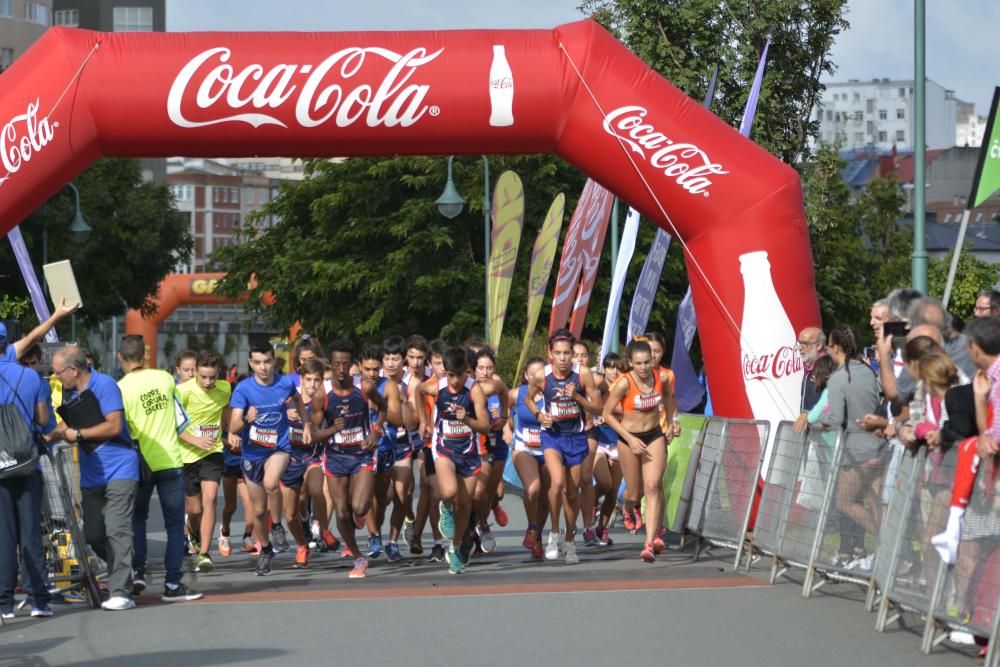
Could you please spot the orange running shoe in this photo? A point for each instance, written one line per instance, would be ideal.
(530, 537)
(647, 554)
(659, 546)
(331, 541)
(628, 518)
(346, 552)
(501, 515)
(302, 557)
(225, 546)
(360, 569)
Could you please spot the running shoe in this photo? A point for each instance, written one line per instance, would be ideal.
(589, 538)
(225, 545)
(264, 563)
(536, 550)
(862, 562)
(416, 548)
(465, 550)
(392, 552)
(437, 553)
(446, 524)
(570, 549)
(659, 545)
(138, 581)
(605, 539)
(41, 611)
(500, 514)
(346, 552)
(179, 593)
(7, 613)
(530, 537)
(554, 545)
(360, 569)
(314, 530)
(118, 603)
(647, 555)
(840, 561)
(301, 557)
(329, 540)
(628, 519)
(247, 546)
(205, 564)
(279, 539)
(637, 518)
(374, 546)
(455, 564)
(487, 542)
(193, 544)
(409, 533)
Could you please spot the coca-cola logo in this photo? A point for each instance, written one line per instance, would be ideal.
(786, 361)
(688, 165)
(209, 83)
(502, 83)
(23, 137)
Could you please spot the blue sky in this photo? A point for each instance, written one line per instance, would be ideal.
(960, 35)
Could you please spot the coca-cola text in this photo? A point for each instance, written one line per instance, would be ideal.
(23, 137)
(786, 361)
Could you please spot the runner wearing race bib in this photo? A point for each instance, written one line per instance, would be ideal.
(607, 469)
(525, 432)
(418, 351)
(493, 450)
(581, 356)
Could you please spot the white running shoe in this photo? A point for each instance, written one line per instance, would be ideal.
(486, 539)
(554, 546)
(570, 549)
(961, 637)
(118, 603)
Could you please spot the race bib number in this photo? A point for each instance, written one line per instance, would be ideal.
(647, 402)
(565, 410)
(532, 437)
(350, 437)
(264, 437)
(454, 429)
(295, 436)
(209, 431)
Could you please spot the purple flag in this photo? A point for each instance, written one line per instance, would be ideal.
(645, 289)
(751, 108)
(31, 280)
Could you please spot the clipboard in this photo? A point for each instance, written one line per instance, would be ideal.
(83, 411)
(62, 283)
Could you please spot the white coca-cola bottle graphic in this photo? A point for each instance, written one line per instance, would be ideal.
(501, 89)
(769, 355)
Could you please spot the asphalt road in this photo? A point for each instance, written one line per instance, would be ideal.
(505, 609)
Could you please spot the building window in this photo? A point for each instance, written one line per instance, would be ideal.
(35, 12)
(900, 135)
(67, 17)
(883, 136)
(859, 137)
(829, 115)
(857, 97)
(870, 127)
(133, 19)
(7, 8)
(6, 57)
(883, 114)
(900, 114)
(902, 92)
(858, 116)
(870, 105)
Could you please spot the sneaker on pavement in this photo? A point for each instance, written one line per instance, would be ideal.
(392, 552)
(537, 551)
(205, 564)
(500, 514)
(553, 547)
(628, 519)
(138, 581)
(179, 593)
(637, 518)
(301, 557)
(43, 611)
(279, 539)
(264, 564)
(409, 532)
(248, 545)
(589, 538)
(118, 603)
(605, 539)
(346, 552)
(530, 537)
(455, 563)
(570, 549)
(416, 548)
(225, 545)
(862, 563)
(446, 524)
(374, 546)
(437, 553)
(7, 613)
(486, 539)
(840, 561)
(465, 550)
(659, 546)
(647, 555)
(329, 540)
(360, 569)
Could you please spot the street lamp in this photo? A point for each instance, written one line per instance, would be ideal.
(450, 205)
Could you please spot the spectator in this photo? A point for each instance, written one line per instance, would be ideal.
(880, 313)
(109, 471)
(21, 500)
(987, 304)
(13, 351)
(928, 311)
(812, 346)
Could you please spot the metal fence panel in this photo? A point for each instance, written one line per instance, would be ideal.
(705, 471)
(682, 466)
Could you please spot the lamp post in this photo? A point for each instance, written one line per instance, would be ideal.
(450, 205)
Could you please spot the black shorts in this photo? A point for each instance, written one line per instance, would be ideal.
(429, 469)
(648, 437)
(208, 469)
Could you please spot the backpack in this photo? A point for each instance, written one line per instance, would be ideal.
(18, 453)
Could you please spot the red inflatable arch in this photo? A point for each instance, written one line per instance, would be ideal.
(574, 91)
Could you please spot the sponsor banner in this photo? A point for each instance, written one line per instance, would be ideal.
(592, 235)
(508, 219)
(987, 179)
(645, 289)
(625, 251)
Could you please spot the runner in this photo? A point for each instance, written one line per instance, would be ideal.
(258, 405)
(206, 401)
(494, 450)
(670, 420)
(569, 393)
(524, 430)
(371, 370)
(415, 372)
(351, 454)
(642, 397)
(607, 469)
(581, 356)
(429, 502)
(185, 365)
(303, 456)
(459, 414)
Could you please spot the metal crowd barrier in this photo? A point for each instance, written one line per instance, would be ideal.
(966, 595)
(73, 567)
(695, 435)
(794, 496)
(726, 482)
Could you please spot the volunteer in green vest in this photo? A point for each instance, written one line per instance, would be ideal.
(149, 398)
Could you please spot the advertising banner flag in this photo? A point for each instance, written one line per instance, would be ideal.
(508, 219)
(31, 280)
(645, 289)
(592, 235)
(987, 179)
(625, 251)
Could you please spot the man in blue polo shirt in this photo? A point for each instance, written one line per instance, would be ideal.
(109, 474)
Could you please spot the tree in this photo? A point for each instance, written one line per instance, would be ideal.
(973, 275)
(138, 238)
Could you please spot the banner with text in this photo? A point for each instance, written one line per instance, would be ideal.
(645, 289)
(625, 251)
(592, 235)
(987, 179)
(508, 220)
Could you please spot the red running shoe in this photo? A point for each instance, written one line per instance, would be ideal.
(346, 552)
(530, 537)
(537, 550)
(659, 545)
(647, 554)
(501, 515)
(637, 518)
(331, 541)
(628, 519)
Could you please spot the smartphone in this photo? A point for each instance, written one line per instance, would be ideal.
(895, 329)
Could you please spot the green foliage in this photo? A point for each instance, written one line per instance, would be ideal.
(14, 307)
(138, 237)
(972, 275)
